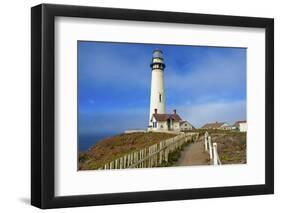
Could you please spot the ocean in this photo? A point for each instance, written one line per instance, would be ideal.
(85, 141)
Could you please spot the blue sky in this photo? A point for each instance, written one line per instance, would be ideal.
(204, 84)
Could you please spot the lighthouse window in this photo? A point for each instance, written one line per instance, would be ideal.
(160, 98)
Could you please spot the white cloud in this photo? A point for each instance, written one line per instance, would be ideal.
(212, 74)
(227, 111)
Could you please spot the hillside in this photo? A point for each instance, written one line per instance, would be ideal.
(111, 148)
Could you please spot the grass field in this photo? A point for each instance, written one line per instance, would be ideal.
(232, 146)
(111, 148)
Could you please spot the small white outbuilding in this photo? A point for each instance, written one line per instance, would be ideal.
(241, 126)
(185, 125)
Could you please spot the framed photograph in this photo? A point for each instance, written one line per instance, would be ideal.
(139, 106)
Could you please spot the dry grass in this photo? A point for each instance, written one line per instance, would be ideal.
(111, 148)
(231, 147)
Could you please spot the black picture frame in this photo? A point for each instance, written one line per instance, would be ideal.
(43, 101)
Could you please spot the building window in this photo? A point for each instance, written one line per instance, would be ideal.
(154, 124)
(160, 98)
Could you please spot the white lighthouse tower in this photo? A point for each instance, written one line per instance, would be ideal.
(157, 93)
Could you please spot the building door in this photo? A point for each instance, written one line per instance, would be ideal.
(169, 124)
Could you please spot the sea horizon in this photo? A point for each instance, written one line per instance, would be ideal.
(85, 141)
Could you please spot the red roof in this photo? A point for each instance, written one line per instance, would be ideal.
(165, 117)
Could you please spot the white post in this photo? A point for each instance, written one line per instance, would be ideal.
(210, 147)
(206, 141)
(215, 154)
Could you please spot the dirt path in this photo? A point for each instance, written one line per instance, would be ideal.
(194, 154)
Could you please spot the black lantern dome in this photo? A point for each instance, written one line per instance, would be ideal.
(157, 60)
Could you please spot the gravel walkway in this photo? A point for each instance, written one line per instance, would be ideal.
(194, 154)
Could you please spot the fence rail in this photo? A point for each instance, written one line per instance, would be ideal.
(153, 155)
(211, 148)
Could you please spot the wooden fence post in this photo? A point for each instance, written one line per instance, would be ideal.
(155, 154)
(111, 165)
(125, 161)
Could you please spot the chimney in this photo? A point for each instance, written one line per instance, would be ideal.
(175, 111)
(155, 111)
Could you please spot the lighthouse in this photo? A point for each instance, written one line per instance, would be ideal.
(157, 93)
